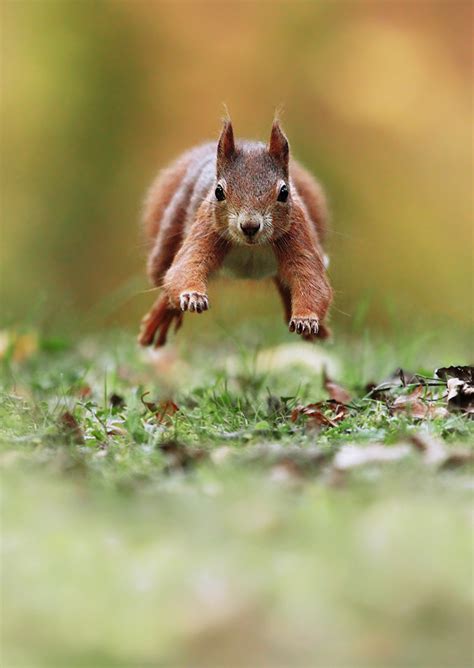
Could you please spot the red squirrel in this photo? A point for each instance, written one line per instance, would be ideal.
(244, 207)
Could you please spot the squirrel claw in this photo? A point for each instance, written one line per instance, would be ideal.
(193, 301)
(304, 326)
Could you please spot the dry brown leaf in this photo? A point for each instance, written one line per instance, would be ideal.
(411, 404)
(162, 409)
(465, 373)
(335, 391)
(165, 410)
(460, 384)
(71, 427)
(460, 395)
(315, 415)
(416, 407)
(435, 411)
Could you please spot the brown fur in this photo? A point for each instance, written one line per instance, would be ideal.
(192, 231)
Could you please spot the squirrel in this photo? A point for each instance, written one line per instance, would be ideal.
(245, 207)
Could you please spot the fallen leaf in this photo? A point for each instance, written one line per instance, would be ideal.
(162, 409)
(465, 373)
(166, 409)
(315, 415)
(436, 411)
(460, 395)
(416, 407)
(460, 383)
(335, 391)
(407, 399)
(71, 427)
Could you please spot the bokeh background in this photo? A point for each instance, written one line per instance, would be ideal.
(98, 95)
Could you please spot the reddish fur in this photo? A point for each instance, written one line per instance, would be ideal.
(159, 319)
(191, 235)
(161, 193)
(312, 196)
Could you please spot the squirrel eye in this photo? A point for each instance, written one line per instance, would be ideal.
(283, 194)
(219, 193)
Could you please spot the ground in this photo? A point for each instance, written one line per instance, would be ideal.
(189, 508)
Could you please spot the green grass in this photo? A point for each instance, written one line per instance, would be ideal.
(222, 535)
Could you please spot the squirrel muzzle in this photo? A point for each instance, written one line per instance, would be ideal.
(251, 227)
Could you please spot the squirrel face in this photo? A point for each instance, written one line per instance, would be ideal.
(251, 195)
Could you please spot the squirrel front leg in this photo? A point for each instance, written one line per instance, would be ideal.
(301, 269)
(202, 252)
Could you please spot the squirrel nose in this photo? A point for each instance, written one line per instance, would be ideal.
(250, 228)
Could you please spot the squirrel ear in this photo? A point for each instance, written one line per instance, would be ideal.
(279, 148)
(226, 145)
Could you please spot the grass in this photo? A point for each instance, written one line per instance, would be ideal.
(221, 534)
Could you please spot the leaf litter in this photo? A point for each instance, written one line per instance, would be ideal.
(460, 384)
(403, 393)
(419, 398)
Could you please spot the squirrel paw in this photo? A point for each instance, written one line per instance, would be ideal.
(307, 327)
(193, 301)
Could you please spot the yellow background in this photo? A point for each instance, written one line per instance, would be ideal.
(376, 101)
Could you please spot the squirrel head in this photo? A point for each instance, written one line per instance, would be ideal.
(252, 194)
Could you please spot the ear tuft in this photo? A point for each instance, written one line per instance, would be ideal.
(226, 144)
(279, 148)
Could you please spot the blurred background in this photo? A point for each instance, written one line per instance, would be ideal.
(377, 103)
